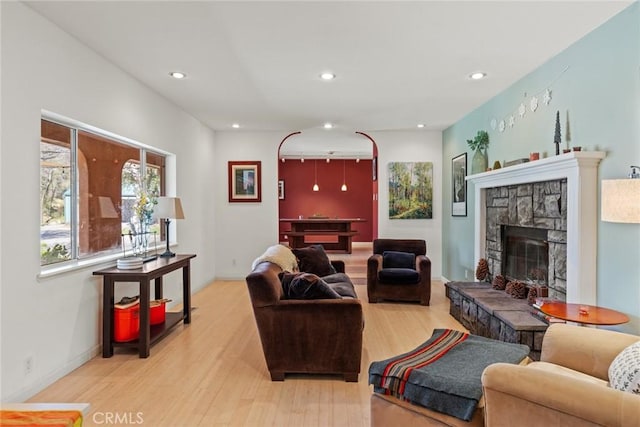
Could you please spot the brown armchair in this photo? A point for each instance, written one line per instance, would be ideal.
(305, 336)
(392, 284)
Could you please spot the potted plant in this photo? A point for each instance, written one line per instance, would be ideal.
(479, 144)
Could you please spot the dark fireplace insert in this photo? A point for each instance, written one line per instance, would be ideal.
(525, 254)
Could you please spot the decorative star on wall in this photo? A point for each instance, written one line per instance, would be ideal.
(532, 103)
(522, 110)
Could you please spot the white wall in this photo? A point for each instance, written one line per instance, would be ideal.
(247, 229)
(411, 146)
(57, 320)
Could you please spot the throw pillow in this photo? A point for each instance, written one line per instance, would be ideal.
(395, 259)
(624, 371)
(341, 283)
(313, 259)
(399, 276)
(306, 286)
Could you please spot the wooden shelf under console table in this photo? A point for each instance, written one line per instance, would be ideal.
(334, 227)
(153, 270)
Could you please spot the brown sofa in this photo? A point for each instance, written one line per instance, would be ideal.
(320, 336)
(568, 387)
(379, 289)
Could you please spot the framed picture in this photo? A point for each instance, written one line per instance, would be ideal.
(411, 190)
(281, 189)
(459, 185)
(374, 165)
(245, 181)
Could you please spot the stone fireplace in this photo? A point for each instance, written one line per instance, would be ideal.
(557, 194)
(526, 233)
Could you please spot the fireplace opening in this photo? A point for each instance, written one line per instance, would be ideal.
(525, 254)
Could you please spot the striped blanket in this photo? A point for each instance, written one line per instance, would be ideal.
(443, 374)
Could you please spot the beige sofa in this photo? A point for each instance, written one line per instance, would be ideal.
(568, 387)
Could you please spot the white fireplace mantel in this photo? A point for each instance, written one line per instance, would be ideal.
(580, 168)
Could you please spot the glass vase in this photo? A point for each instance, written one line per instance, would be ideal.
(480, 162)
(141, 240)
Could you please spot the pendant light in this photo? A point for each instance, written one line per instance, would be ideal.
(315, 176)
(344, 175)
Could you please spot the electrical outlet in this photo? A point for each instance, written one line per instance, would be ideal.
(233, 262)
(28, 364)
(466, 273)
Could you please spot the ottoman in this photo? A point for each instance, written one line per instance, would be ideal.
(439, 382)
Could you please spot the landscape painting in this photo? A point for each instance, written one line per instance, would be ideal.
(411, 190)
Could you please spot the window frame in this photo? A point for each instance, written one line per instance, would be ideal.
(76, 127)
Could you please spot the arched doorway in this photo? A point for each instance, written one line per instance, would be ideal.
(328, 174)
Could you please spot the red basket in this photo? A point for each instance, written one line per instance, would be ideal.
(126, 323)
(156, 312)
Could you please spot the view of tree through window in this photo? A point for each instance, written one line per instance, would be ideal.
(55, 195)
(93, 190)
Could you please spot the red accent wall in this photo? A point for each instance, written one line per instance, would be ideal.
(300, 199)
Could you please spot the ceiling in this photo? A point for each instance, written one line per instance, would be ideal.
(397, 63)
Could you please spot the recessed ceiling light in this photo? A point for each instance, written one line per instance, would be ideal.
(177, 75)
(420, 125)
(235, 125)
(328, 125)
(478, 75)
(327, 76)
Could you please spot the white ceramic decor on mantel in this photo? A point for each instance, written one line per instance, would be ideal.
(581, 171)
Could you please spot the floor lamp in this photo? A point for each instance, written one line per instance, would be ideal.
(168, 208)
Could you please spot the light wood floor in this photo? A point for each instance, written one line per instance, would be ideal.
(212, 372)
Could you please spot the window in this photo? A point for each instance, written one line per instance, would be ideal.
(90, 187)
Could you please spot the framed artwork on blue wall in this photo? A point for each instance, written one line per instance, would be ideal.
(459, 185)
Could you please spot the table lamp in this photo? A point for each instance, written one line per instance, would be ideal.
(168, 208)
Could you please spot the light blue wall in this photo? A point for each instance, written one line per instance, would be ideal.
(596, 82)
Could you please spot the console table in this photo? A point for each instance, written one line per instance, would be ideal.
(153, 270)
(337, 227)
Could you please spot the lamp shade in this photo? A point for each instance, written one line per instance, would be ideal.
(169, 207)
(620, 200)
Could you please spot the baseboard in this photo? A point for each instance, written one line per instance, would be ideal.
(36, 387)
